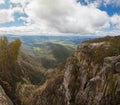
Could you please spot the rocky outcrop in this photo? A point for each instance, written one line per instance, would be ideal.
(89, 83)
(4, 99)
(91, 76)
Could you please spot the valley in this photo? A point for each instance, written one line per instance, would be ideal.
(60, 72)
(50, 50)
(59, 52)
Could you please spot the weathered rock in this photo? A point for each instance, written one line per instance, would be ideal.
(117, 67)
(106, 70)
(110, 60)
(87, 83)
(94, 83)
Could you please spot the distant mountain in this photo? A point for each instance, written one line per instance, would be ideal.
(29, 40)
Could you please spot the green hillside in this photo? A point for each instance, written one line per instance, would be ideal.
(50, 54)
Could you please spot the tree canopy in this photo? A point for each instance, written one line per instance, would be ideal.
(9, 52)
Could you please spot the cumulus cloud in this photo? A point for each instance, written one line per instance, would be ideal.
(115, 21)
(22, 2)
(67, 16)
(6, 16)
(93, 3)
(17, 10)
(112, 2)
(98, 3)
(60, 16)
(17, 30)
(2, 1)
(26, 30)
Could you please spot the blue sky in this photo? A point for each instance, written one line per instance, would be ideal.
(81, 17)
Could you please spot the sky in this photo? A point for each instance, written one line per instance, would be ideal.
(60, 17)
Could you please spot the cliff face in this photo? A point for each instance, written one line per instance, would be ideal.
(91, 77)
(87, 82)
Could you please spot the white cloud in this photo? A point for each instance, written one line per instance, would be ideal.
(98, 3)
(59, 16)
(115, 21)
(93, 3)
(25, 30)
(27, 20)
(67, 16)
(114, 28)
(2, 1)
(16, 1)
(112, 2)
(17, 10)
(6, 16)
(16, 30)
(21, 3)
